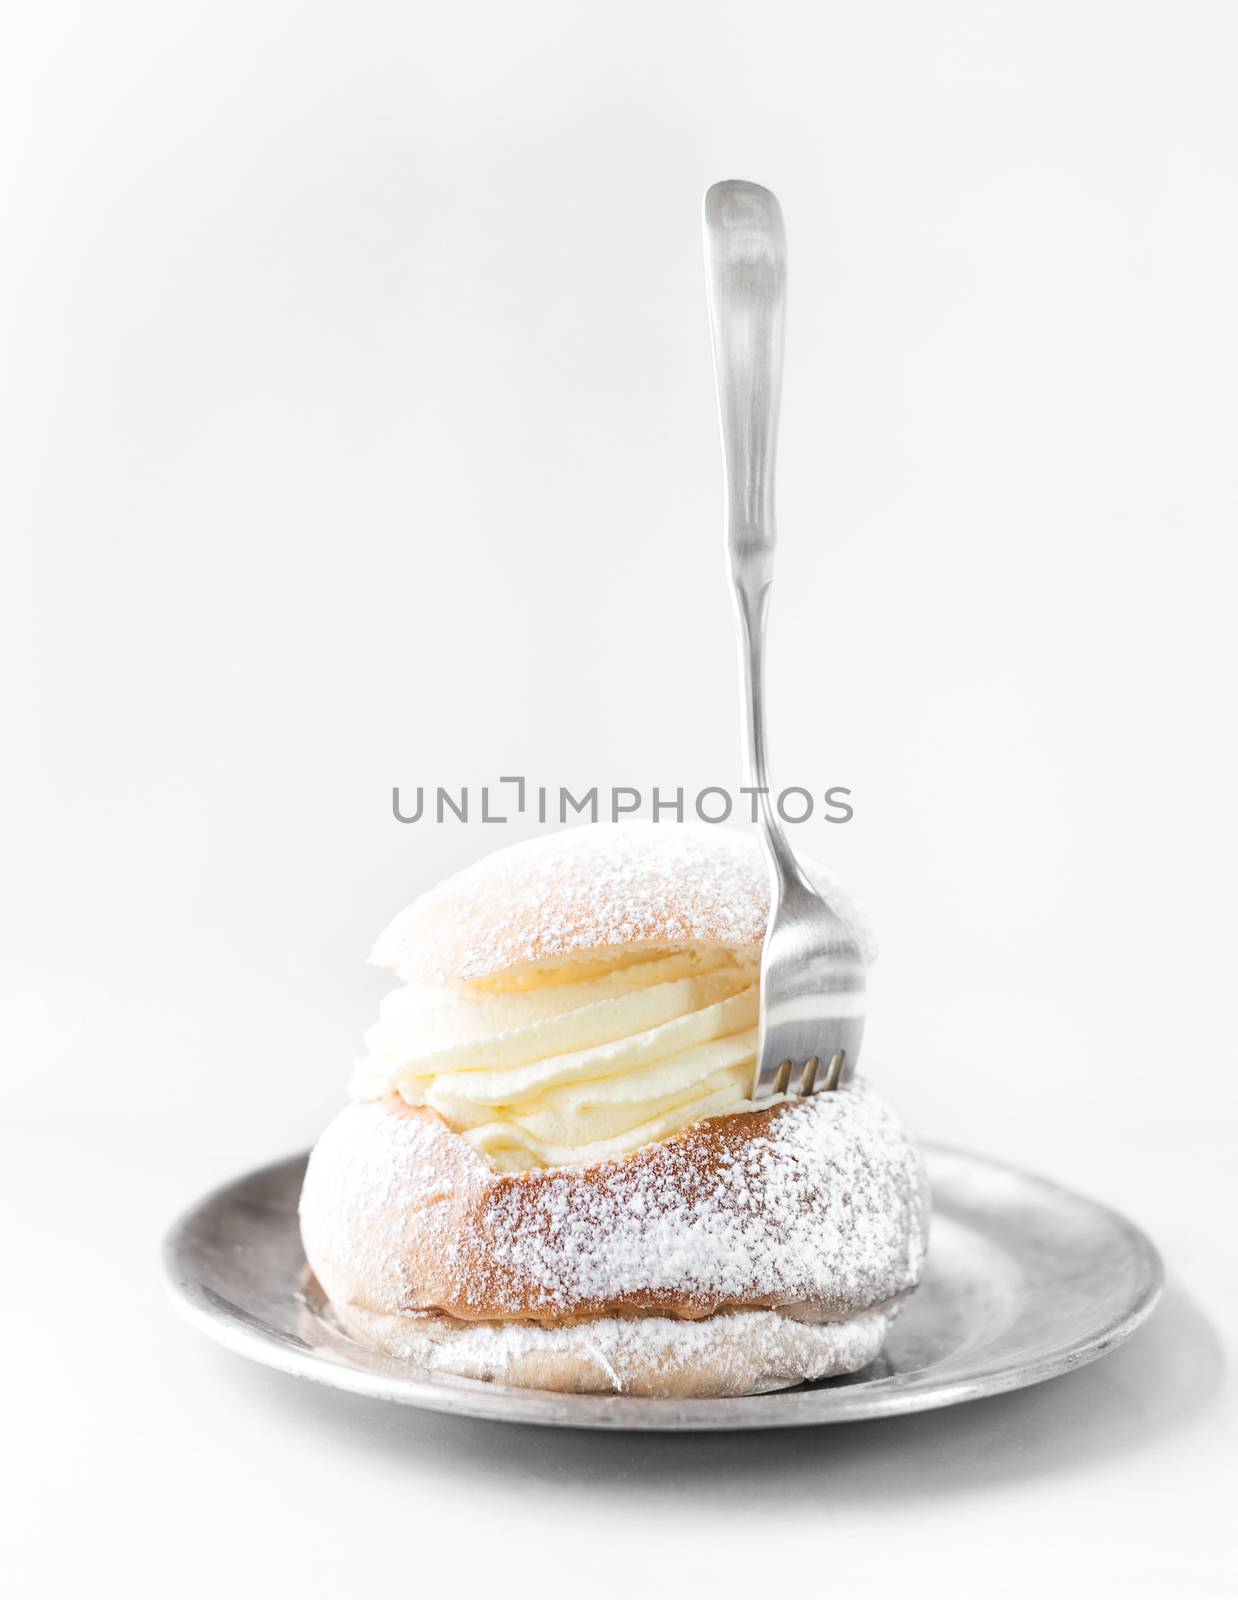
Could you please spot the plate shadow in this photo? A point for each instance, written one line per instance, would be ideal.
(1153, 1385)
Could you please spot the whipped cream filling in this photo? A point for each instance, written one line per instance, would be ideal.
(576, 1062)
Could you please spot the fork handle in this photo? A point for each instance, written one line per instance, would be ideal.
(746, 271)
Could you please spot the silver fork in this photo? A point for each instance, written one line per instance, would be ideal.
(812, 971)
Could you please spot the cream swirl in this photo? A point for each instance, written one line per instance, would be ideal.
(576, 1062)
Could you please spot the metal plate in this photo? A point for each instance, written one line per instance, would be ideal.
(1025, 1280)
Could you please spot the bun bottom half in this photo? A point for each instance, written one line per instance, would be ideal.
(730, 1353)
(743, 1254)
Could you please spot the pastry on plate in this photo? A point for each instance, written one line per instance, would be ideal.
(551, 1174)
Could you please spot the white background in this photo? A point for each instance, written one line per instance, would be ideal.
(359, 422)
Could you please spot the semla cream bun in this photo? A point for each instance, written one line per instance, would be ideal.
(550, 1173)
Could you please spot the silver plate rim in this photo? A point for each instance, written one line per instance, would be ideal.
(385, 1379)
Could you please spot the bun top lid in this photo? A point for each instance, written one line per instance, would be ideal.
(590, 889)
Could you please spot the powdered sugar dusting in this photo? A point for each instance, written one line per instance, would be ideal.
(734, 1353)
(819, 1203)
(591, 888)
(813, 1210)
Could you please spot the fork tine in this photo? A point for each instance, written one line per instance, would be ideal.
(809, 1075)
(834, 1073)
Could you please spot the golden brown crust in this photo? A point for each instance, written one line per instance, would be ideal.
(817, 1203)
(589, 890)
